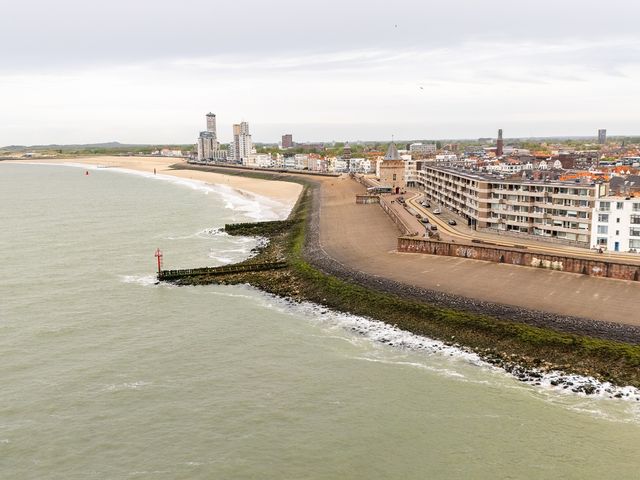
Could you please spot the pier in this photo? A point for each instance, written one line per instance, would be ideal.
(164, 275)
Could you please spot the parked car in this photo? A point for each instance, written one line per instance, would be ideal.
(452, 222)
(426, 204)
(424, 220)
(437, 211)
(433, 228)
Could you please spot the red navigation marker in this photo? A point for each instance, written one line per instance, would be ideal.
(158, 255)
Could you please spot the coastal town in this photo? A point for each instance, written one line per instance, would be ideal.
(320, 240)
(581, 193)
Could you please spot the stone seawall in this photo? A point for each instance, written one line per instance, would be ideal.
(594, 268)
(402, 225)
(367, 199)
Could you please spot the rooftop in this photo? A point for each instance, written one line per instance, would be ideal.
(494, 177)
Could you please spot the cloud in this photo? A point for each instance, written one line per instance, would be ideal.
(147, 72)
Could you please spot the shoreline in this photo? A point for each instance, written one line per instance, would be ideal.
(285, 193)
(531, 355)
(312, 252)
(316, 255)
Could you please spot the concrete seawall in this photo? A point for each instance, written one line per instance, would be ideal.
(594, 268)
(367, 199)
(402, 225)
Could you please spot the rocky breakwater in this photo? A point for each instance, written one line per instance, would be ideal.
(500, 336)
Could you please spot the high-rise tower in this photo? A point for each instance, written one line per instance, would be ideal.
(242, 146)
(499, 144)
(211, 124)
(208, 146)
(287, 140)
(602, 136)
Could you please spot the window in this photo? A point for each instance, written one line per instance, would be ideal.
(603, 217)
(602, 241)
(618, 220)
(604, 206)
(620, 205)
(636, 207)
(635, 219)
(618, 232)
(634, 232)
(603, 229)
(394, 177)
(634, 244)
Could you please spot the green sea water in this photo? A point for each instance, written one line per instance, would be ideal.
(106, 375)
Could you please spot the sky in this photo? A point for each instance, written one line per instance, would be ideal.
(147, 71)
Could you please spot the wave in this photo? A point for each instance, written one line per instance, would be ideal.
(126, 386)
(144, 280)
(390, 335)
(248, 204)
(205, 233)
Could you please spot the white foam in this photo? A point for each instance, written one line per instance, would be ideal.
(556, 382)
(248, 204)
(126, 386)
(144, 280)
(205, 233)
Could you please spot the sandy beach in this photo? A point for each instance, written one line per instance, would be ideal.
(284, 192)
(370, 247)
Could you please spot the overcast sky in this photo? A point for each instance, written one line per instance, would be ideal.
(143, 71)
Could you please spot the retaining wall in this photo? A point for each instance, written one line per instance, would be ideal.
(595, 268)
(367, 199)
(402, 225)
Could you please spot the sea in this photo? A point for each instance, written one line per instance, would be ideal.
(107, 374)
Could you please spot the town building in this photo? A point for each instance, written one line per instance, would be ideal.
(392, 169)
(260, 160)
(287, 140)
(422, 148)
(602, 136)
(241, 147)
(541, 208)
(499, 144)
(616, 223)
(208, 146)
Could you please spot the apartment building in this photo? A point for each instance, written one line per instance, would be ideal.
(242, 146)
(544, 209)
(422, 148)
(616, 224)
(208, 146)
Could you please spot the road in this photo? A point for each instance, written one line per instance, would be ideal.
(461, 233)
(364, 238)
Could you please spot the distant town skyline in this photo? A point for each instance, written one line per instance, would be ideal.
(145, 72)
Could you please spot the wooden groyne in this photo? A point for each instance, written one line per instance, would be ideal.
(224, 270)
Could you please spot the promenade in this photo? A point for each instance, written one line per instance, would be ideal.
(364, 238)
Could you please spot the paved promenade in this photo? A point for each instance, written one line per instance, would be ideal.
(364, 238)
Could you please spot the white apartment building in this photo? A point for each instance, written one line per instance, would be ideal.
(259, 160)
(360, 165)
(411, 173)
(301, 161)
(616, 224)
(242, 146)
(422, 148)
(446, 158)
(339, 165)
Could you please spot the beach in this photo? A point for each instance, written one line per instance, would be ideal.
(109, 373)
(283, 192)
(369, 247)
